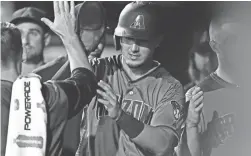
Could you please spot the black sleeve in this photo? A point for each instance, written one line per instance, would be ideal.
(79, 89)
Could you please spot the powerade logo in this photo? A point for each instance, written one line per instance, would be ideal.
(27, 99)
(24, 141)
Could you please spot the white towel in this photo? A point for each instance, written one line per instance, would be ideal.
(27, 118)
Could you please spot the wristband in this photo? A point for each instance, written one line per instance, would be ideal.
(131, 126)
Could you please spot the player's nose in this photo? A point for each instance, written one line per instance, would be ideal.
(25, 39)
(135, 48)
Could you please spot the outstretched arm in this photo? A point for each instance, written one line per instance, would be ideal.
(79, 89)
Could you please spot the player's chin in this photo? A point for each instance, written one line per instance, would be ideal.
(133, 64)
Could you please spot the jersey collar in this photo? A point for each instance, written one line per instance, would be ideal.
(143, 76)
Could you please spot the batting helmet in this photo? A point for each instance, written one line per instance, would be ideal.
(91, 23)
(138, 20)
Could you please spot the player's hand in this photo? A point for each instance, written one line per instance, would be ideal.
(195, 96)
(189, 94)
(109, 99)
(64, 21)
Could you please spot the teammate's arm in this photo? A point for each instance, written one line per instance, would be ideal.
(80, 87)
(78, 90)
(162, 135)
(193, 119)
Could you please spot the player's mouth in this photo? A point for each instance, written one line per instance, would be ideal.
(133, 56)
(27, 49)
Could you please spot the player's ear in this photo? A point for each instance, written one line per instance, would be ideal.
(47, 38)
(215, 46)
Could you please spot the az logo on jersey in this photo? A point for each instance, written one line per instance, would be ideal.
(138, 23)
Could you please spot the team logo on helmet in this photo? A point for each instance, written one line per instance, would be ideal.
(138, 23)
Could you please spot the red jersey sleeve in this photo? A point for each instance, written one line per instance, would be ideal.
(170, 110)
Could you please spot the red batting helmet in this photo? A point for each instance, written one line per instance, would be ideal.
(138, 20)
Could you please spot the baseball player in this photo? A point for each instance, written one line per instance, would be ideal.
(218, 129)
(35, 36)
(65, 98)
(139, 106)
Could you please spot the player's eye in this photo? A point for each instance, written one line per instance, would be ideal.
(128, 40)
(34, 33)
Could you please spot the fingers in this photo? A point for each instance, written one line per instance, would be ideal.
(72, 11)
(189, 92)
(194, 105)
(107, 97)
(107, 89)
(48, 23)
(103, 94)
(56, 8)
(197, 96)
(199, 108)
(66, 6)
(104, 102)
(196, 90)
(192, 91)
(61, 7)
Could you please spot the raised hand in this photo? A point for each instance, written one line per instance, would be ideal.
(195, 96)
(64, 21)
(109, 99)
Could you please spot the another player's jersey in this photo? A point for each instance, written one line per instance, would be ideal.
(224, 103)
(155, 99)
(48, 70)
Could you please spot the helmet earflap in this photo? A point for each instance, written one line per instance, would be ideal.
(116, 40)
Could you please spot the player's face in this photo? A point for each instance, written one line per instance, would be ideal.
(32, 40)
(98, 51)
(136, 52)
(235, 47)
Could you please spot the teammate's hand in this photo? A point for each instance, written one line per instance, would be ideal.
(64, 21)
(109, 99)
(195, 96)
